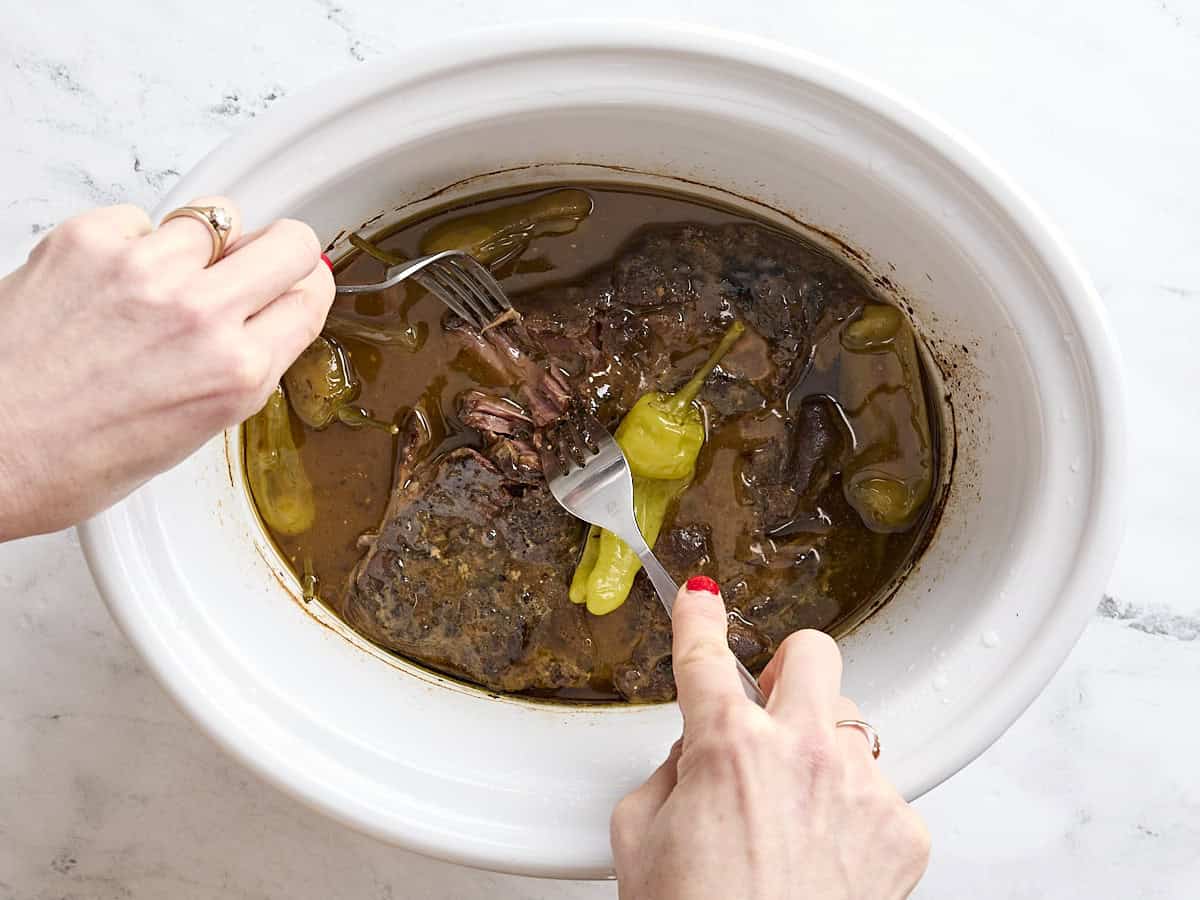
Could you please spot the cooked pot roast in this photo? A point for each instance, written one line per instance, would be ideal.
(443, 543)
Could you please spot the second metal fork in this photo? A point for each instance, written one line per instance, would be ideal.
(589, 475)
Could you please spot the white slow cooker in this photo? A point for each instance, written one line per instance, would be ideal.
(1029, 525)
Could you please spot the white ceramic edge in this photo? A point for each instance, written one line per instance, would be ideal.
(302, 112)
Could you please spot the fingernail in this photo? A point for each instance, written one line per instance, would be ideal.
(325, 259)
(702, 583)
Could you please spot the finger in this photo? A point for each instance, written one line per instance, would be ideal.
(244, 239)
(264, 266)
(705, 668)
(654, 793)
(187, 243)
(805, 679)
(854, 744)
(289, 323)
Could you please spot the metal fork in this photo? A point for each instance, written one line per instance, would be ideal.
(454, 277)
(589, 476)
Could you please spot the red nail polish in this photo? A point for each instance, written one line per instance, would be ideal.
(325, 259)
(702, 583)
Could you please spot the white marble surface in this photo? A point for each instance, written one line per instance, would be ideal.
(106, 791)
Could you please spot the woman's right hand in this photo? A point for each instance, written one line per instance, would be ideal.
(123, 351)
(764, 803)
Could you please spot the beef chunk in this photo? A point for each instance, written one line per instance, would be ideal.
(467, 574)
(696, 279)
(513, 356)
(563, 320)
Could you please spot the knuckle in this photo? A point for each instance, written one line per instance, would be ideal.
(711, 750)
(189, 314)
(727, 731)
(75, 235)
(247, 373)
(134, 213)
(303, 316)
(720, 727)
(622, 829)
(729, 719)
(701, 651)
(848, 709)
(623, 814)
(137, 272)
(919, 840)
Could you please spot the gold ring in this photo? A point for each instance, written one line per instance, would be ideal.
(868, 732)
(215, 218)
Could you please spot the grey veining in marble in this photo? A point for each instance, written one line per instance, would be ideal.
(106, 791)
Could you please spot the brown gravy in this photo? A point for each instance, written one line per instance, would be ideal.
(839, 571)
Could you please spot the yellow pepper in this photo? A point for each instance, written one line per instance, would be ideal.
(322, 386)
(890, 474)
(661, 438)
(278, 482)
(501, 234)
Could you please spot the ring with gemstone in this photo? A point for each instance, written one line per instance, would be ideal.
(869, 733)
(215, 218)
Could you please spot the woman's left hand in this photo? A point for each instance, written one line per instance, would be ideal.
(124, 351)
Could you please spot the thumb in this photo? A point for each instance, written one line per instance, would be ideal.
(705, 667)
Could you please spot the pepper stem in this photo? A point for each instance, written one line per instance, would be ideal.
(309, 583)
(360, 418)
(683, 397)
(388, 259)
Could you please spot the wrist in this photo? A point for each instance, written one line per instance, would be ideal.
(15, 502)
(18, 482)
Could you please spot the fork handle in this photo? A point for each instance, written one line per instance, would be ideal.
(667, 589)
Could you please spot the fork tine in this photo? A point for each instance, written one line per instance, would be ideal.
(456, 278)
(591, 429)
(555, 463)
(551, 467)
(574, 446)
(453, 269)
(485, 284)
(450, 294)
(422, 278)
(467, 289)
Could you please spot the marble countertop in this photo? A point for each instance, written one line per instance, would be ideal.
(106, 791)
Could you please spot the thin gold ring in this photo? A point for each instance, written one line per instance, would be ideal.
(869, 733)
(215, 218)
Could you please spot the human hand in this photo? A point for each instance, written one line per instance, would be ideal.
(123, 353)
(764, 803)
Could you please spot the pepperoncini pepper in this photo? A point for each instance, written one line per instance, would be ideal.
(499, 235)
(661, 437)
(322, 386)
(278, 482)
(395, 331)
(890, 474)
